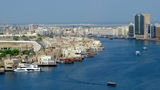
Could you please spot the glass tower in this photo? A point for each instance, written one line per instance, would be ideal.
(137, 29)
(141, 20)
(141, 25)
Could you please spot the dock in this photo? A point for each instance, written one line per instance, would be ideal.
(47, 65)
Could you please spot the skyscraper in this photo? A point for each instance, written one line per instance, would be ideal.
(131, 30)
(150, 31)
(141, 21)
(158, 32)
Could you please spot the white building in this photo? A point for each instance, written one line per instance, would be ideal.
(47, 60)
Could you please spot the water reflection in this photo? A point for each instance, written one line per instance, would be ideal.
(158, 42)
(9, 77)
(48, 68)
(9, 80)
(144, 42)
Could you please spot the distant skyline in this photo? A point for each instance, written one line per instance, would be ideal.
(76, 11)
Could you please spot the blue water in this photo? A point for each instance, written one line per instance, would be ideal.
(117, 63)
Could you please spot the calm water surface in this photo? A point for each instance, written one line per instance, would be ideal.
(117, 63)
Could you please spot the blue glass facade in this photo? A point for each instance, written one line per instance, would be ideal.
(131, 31)
(136, 24)
(141, 25)
(149, 28)
(153, 31)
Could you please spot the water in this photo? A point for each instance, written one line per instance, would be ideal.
(117, 63)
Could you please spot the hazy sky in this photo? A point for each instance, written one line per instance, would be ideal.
(76, 11)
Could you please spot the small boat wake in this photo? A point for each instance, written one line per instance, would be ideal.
(86, 82)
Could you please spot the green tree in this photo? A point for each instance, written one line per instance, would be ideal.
(25, 38)
(39, 39)
(2, 55)
(15, 38)
(15, 52)
(25, 52)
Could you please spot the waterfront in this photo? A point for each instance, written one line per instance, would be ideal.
(117, 63)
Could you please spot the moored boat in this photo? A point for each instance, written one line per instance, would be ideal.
(89, 55)
(78, 59)
(27, 68)
(110, 38)
(67, 61)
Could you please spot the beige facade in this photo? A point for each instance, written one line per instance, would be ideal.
(20, 46)
(8, 64)
(158, 32)
(146, 22)
(140, 28)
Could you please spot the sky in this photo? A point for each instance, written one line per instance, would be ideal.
(76, 11)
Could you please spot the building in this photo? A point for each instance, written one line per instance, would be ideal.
(8, 64)
(141, 21)
(158, 32)
(32, 27)
(153, 31)
(123, 31)
(131, 30)
(150, 31)
(21, 45)
(47, 60)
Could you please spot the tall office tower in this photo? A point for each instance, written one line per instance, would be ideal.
(150, 31)
(158, 32)
(141, 21)
(131, 30)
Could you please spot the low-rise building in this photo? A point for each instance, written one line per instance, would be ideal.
(8, 64)
(46, 60)
(21, 45)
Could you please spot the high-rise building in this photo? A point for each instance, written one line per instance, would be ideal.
(150, 31)
(153, 31)
(158, 32)
(131, 30)
(141, 21)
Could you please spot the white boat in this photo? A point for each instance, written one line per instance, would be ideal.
(27, 68)
(112, 84)
(137, 52)
(144, 48)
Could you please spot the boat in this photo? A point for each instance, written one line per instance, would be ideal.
(112, 84)
(105, 36)
(78, 59)
(144, 48)
(137, 52)
(27, 68)
(67, 60)
(89, 55)
(110, 38)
